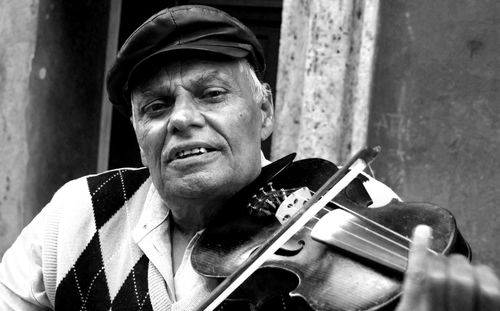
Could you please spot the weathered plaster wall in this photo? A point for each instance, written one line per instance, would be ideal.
(18, 21)
(436, 111)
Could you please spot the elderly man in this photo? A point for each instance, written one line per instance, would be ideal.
(189, 79)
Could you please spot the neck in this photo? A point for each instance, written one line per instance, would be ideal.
(190, 216)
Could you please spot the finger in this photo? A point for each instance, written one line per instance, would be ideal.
(489, 289)
(437, 283)
(462, 293)
(414, 289)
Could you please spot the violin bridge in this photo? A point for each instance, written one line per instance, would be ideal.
(292, 203)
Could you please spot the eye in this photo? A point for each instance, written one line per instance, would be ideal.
(214, 94)
(155, 107)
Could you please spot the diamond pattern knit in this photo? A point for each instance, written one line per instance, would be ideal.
(86, 285)
(106, 269)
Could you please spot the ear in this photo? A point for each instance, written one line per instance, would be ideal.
(143, 155)
(267, 113)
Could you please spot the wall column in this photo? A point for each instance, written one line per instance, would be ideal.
(325, 67)
(52, 55)
(18, 24)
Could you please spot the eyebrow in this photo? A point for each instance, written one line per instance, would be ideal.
(146, 93)
(213, 75)
(200, 80)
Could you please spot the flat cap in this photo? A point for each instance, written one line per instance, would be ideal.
(189, 27)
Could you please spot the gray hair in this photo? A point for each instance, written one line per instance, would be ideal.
(260, 91)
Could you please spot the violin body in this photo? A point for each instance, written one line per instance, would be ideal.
(322, 276)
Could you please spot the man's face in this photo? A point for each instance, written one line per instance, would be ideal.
(200, 129)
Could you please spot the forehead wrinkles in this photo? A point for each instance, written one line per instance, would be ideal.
(189, 74)
(202, 72)
(156, 79)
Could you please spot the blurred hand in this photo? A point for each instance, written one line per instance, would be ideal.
(438, 283)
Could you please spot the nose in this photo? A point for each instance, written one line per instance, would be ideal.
(184, 115)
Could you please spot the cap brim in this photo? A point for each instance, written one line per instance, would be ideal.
(230, 51)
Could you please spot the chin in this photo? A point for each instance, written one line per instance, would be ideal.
(214, 181)
(209, 189)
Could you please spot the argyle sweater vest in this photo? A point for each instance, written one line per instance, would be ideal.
(91, 260)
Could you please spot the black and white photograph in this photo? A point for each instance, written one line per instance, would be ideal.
(250, 155)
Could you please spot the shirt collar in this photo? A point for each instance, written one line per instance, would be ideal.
(154, 213)
(263, 160)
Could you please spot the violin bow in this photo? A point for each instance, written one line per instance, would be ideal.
(330, 189)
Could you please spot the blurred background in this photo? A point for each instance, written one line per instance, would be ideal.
(419, 78)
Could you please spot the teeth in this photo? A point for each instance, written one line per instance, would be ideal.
(186, 153)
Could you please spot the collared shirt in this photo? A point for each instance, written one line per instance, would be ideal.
(153, 235)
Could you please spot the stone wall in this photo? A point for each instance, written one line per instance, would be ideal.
(436, 111)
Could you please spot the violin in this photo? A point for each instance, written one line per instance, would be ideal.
(347, 257)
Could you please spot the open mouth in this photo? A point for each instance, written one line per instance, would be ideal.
(183, 154)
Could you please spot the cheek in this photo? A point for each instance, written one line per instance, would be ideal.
(251, 124)
(246, 131)
(150, 140)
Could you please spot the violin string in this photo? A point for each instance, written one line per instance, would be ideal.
(381, 235)
(326, 208)
(383, 248)
(352, 247)
(376, 224)
(362, 252)
(369, 242)
(372, 243)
